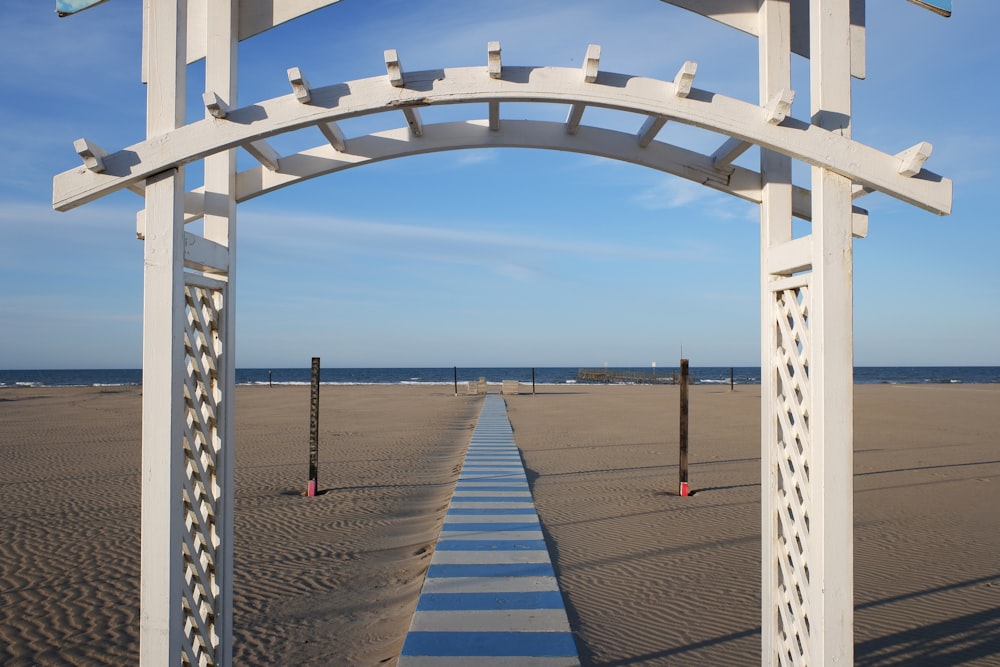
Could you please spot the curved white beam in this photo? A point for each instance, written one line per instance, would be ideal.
(544, 135)
(718, 113)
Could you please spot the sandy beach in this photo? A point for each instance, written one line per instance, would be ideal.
(649, 578)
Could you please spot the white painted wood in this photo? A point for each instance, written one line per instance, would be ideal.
(459, 135)
(391, 144)
(831, 587)
(812, 144)
(493, 62)
(215, 105)
(574, 117)
(204, 255)
(393, 68)
(333, 135)
(494, 111)
(300, 85)
(91, 154)
(742, 15)
(161, 556)
(413, 121)
(684, 79)
(264, 153)
(779, 106)
(221, 30)
(731, 149)
(789, 257)
(912, 160)
(591, 63)
(650, 128)
(777, 201)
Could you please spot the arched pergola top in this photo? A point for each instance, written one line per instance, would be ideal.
(744, 124)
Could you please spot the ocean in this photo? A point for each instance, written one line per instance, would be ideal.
(541, 375)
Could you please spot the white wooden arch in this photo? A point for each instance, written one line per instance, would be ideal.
(742, 123)
(806, 300)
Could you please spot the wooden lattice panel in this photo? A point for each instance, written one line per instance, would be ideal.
(792, 504)
(202, 488)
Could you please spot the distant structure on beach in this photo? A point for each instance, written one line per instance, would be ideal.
(614, 375)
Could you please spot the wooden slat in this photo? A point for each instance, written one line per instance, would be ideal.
(650, 128)
(731, 149)
(300, 85)
(333, 135)
(574, 117)
(264, 153)
(204, 255)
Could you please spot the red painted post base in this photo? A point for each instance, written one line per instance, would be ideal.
(311, 491)
(684, 489)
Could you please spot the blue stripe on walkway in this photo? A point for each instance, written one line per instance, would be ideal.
(494, 601)
(492, 570)
(490, 526)
(541, 644)
(491, 545)
(465, 511)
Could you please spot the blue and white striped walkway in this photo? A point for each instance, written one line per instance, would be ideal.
(490, 598)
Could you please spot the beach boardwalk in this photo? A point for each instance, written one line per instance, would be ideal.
(490, 597)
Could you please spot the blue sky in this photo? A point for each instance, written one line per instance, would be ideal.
(499, 257)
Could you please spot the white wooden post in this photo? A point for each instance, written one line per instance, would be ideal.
(832, 369)
(161, 626)
(220, 227)
(775, 229)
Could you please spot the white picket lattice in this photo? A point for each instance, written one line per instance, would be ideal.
(791, 456)
(205, 302)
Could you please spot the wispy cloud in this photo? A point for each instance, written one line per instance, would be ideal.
(671, 193)
(439, 242)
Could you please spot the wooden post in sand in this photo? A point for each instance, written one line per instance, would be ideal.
(314, 431)
(455, 370)
(683, 467)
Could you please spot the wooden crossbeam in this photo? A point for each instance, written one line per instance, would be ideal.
(731, 149)
(393, 68)
(494, 116)
(202, 254)
(911, 161)
(91, 154)
(574, 117)
(493, 62)
(858, 191)
(215, 104)
(779, 106)
(264, 153)
(413, 120)
(685, 78)
(333, 135)
(300, 85)
(650, 128)
(494, 66)
(591, 62)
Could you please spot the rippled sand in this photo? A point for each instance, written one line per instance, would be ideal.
(649, 578)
